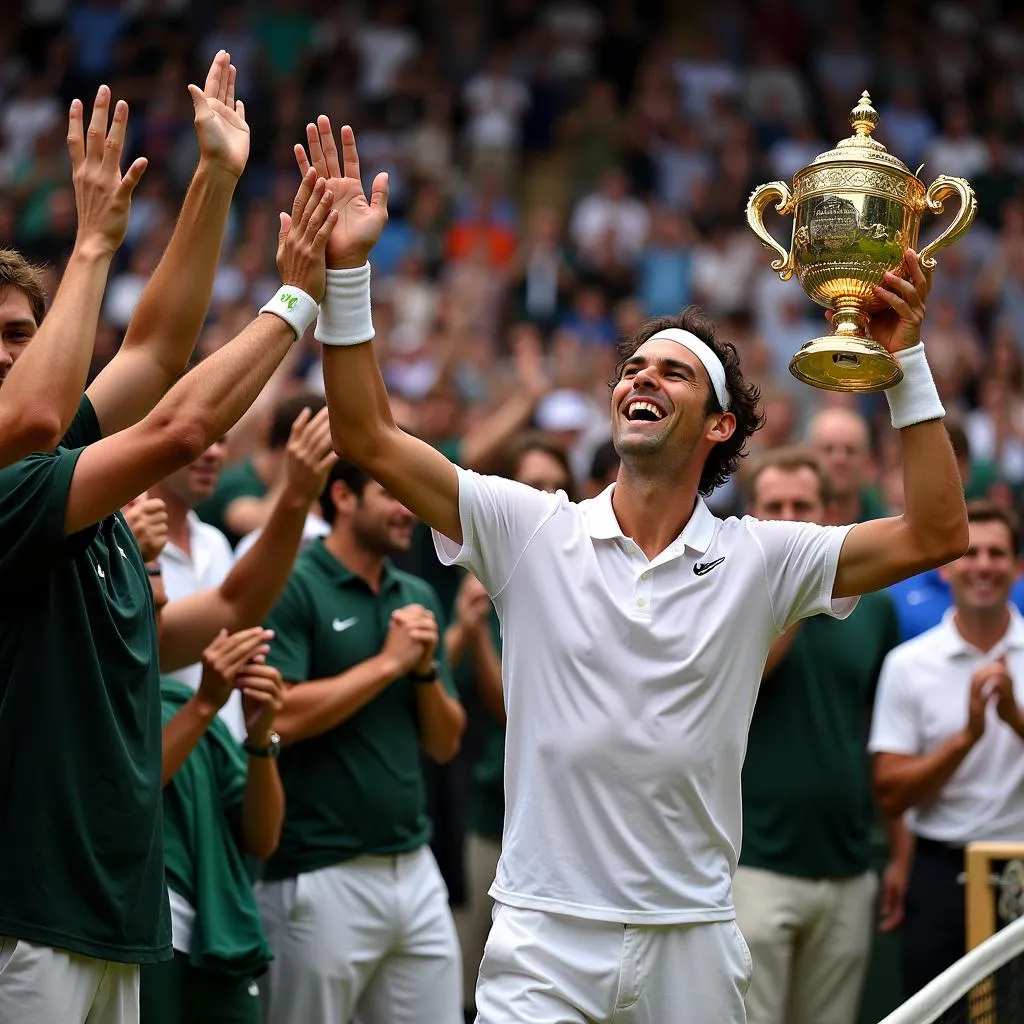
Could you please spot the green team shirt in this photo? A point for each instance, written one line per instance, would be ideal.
(807, 804)
(82, 855)
(202, 819)
(238, 481)
(486, 813)
(357, 789)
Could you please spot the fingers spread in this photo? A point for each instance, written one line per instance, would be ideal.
(349, 153)
(330, 150)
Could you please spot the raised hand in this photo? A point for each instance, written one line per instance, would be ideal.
(360, 222)
(102, 194)
(147, 519)
(302, 243)
(309, 455)
(899, 326)
(220, 119)
(262, 698)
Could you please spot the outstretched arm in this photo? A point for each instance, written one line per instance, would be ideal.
(933, 527)
(42, 391)
(204, 404)
(363, 428)
(164, 327)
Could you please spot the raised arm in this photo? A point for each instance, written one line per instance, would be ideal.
(204, 404)
(254, 584)
(361, 421)
(933, 527)
(164, 327)
(44, 387)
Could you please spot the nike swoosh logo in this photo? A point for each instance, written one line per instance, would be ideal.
(340, 625)
(703, 568)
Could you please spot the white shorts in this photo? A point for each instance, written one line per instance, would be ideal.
(550, 969)
(43, 985)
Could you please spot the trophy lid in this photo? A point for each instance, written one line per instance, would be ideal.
(861, 147)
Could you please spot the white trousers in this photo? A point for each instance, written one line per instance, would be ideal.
(44, 985)
(541, 968)
(373, 935)
(473, 921)
(810, 940)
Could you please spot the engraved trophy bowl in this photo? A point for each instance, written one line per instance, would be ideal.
(855, 210)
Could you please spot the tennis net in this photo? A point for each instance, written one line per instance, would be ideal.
(984, 987)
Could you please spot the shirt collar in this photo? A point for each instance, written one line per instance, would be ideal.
(953, 645)
(341, 573)
(602, 523)
(176, 554)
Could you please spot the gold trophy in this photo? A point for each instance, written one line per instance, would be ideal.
(856, 208)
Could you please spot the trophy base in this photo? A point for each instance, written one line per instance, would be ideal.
(836, 363)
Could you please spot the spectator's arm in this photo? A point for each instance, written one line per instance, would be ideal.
(164, 327)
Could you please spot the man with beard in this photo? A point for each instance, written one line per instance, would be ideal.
(353, 902)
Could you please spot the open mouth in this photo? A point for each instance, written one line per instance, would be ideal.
(641, 410)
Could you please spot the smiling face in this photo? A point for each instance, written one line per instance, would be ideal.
(660, 404)
(981, 579)
(17, 328)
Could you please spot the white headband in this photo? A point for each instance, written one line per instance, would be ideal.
(704, 352)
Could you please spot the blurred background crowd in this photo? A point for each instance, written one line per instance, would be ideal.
(559, 171)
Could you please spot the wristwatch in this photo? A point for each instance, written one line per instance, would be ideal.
(272, 749)
(430, 676)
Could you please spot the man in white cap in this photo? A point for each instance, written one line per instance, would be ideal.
(635, 629)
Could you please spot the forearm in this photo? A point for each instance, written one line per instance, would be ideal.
(173, 305)
(487, 663)
(262, 808)
(441, 721)
(256, 581)
(182, 733)
(211, 398)
(457, 642)
(906, 782)
(901, 841)
(357, 401)
(483, 443)
(313, 708)
(934, 510)
(189, 624)
(44, 388)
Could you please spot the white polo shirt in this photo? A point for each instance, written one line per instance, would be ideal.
(629, 687)
(208, 567)
(922, 701)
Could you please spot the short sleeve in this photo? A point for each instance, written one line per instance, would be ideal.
(33, 503)
(895, 723)
(801, 561)
(291, 649)
(85, 427)
(499, 519)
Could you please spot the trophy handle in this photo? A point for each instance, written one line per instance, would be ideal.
(941, 189)
(777, 191)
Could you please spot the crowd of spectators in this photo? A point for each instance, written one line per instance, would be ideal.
(558, 171)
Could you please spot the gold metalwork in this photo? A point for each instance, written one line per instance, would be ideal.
(855, 210)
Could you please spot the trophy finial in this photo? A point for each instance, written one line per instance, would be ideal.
(864, 117)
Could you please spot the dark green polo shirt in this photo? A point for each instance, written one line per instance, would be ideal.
(237, 481)
(807, 803)
(202, 820)
(81, 853)
(357, 789)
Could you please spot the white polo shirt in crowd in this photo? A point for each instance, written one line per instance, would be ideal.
(629, 687)
(313, 528)
(208, 567)
(922, 702)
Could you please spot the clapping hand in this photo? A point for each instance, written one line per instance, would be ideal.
(310, 455)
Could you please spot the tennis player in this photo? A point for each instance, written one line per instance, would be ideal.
(636, 625)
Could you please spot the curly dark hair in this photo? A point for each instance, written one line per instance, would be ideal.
(725, 457)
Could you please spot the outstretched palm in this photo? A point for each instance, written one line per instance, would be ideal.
(360, 222)
(220, 118)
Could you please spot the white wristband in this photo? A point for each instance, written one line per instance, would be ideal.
(915, 399)
(294, 307)
(345, 312)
